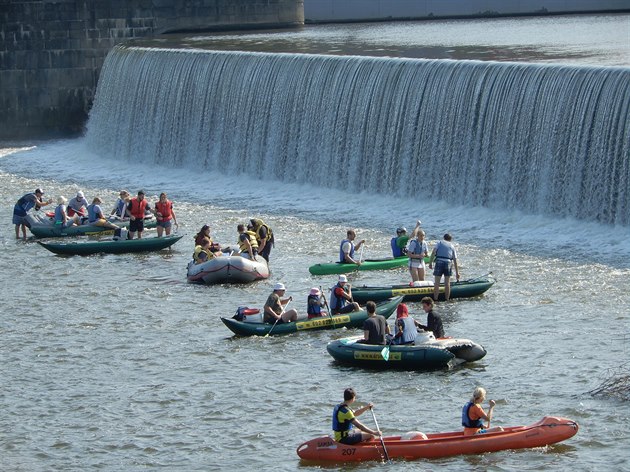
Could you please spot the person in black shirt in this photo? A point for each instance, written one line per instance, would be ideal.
(434, 322)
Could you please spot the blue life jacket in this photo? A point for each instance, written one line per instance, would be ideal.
(342, 256)
(466, 421)
(336, 303)
(409, 333)
(396, 251)
(444, 250)
(59, 213)
(120, 208)
(313, 309)
(93, 211)
(24, 204)
(341, 427)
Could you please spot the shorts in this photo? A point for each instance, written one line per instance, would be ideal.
(417, 263)
(353, 437)
(100, 222)
(21, 220)
(136, 225)
(344, 310)
(165, 224)
(443, 268)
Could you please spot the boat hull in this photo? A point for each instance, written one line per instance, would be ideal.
(81, 248)
(369, 264)
(463, 289)
(350, 320)
(549, 430)
(44, 228)
(228, 269)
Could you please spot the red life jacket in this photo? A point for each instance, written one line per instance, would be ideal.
(166, 209)
(136, 207)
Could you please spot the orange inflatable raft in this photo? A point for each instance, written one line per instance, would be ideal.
(549, 430)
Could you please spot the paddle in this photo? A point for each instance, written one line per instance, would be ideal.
(327, 307)
(381, 436)
(361, 253)
(385, 351)
(277, 319)
(492, 403)
(480, 277)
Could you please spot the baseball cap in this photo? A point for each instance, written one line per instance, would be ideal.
(80, 194)
(279, 286)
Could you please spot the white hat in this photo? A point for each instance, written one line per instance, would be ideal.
(314, 291)
(343, 278)
(279, 286)
(80, 194)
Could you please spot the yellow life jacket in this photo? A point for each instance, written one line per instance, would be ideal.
(252, 241)
(199, 250)
(260, 224)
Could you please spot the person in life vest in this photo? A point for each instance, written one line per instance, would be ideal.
(347, 248)
(434, 321)
(399, 242)
(95, 215)
(445, 258)
(136, 209)
(473, 414)
(417, 250)
(21, 208)
(344, 420)
(264, 236)
(203, 252)
(78, 205)
(61, 215)
(406, 328)
(121, 204)
(247, 243)
(314, 304)
(165, 216)
(341, 297)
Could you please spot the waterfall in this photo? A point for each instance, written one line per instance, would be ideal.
(542, 139)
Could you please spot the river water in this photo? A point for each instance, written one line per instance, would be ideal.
(117, 363)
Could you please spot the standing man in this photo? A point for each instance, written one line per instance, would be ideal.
(23, 205)
(434, 322)
(165, 215)
(375, 328)
(445, 258)
(274, 311)
(341, 301)
(264, 237)
(135, 211)
(347, 248)
(343, 419)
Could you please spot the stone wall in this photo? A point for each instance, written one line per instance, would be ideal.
(321, 11)
(51, 51)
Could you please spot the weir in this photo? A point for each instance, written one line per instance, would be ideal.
(542, 139)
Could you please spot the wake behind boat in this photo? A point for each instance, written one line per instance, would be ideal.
(412, 293)
(350, 320)
(85, 248)
(228, 269)
(549, 430)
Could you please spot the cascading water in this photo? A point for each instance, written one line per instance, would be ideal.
(543, 139)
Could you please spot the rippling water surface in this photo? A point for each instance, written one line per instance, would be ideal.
(115, 362)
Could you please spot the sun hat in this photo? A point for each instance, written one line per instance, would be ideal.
(80, 194)
(402, 311)
(314, 291)
(279, 286)
(343, 278)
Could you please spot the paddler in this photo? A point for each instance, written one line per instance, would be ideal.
(344, 419)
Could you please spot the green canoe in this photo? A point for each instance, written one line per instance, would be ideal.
(81, 248)
(350, 320)
(368, 264)
(46, 230)
(463, 289)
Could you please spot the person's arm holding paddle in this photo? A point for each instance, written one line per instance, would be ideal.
(361, 426)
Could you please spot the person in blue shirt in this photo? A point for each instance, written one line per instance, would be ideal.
(21, 208)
